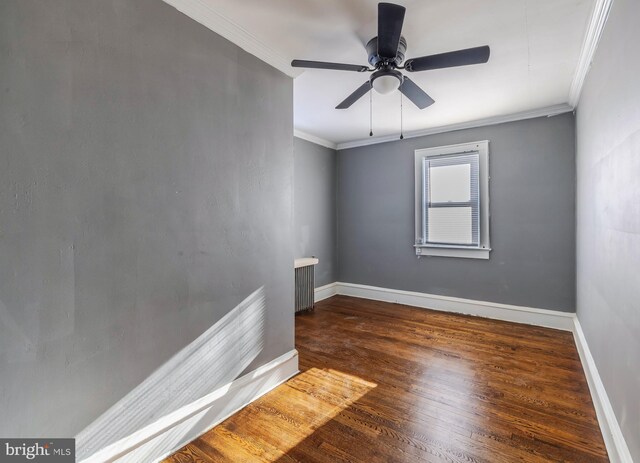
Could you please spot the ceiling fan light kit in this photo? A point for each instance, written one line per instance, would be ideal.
(385, 82)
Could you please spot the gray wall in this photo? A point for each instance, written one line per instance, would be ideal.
(314, 202)
(146, 178)
(608, 215)
(532, 191)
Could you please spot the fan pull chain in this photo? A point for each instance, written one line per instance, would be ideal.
(370, 109)
(401, 125)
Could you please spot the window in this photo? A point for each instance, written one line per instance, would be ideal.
(452, 201)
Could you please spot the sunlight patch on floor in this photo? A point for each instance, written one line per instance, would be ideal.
(285, 417)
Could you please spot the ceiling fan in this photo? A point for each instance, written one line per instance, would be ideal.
(386, 53)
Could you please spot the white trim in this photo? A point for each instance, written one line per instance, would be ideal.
(611, 432)
(592, 37)
(548, 111)
(314, 139)
(201, 11)
(433, 251)
(325, 292)
(513, 313)
(215, 407)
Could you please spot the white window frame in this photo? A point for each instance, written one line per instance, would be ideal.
(445, 250)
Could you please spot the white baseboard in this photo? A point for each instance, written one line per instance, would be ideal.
(324, 292)
(173, 431)
(528, 315)
(611, 432)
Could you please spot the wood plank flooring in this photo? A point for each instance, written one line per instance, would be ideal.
(383, 382)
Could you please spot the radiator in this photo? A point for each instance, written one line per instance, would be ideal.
(304, 277)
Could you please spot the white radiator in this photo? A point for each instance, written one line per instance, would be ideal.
(304, 276)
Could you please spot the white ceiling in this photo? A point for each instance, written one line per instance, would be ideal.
(535, 50)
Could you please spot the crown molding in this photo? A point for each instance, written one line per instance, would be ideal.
(592, 37)
(314, 139)
(200, 11)
(541, 112)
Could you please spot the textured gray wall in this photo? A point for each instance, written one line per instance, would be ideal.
(146, 178)
(608, 215)
(314, 208)
(532, 192)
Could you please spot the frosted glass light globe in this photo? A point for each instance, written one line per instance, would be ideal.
(386, 84)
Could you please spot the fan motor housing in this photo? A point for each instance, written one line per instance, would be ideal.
(375, 60)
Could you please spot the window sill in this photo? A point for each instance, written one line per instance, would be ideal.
(464, 253)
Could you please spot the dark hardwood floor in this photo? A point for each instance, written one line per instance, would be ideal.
(384, 382)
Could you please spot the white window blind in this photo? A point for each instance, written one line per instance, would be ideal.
(451, 200)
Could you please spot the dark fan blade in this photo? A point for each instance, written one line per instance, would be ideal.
(355, 96)
(475, 55)
(415, 93)
(390, 19)
(300, 63)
